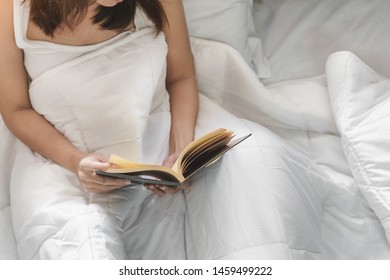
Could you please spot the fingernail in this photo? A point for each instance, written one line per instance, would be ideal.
(127, 182)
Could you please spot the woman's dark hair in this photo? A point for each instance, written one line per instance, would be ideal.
(49, 15)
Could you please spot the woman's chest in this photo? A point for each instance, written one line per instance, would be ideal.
(85, 33)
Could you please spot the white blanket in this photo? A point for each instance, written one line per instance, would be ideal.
(279, 195)
(360, 99)
(301, 113)
(7, 239)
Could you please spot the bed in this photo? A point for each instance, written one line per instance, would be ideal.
(315, 74)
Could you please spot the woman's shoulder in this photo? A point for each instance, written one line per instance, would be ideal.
(170, 1)
(6, 18)
(6, 8)
(11, 22)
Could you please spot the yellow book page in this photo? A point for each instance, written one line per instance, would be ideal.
(121, 163)
(124, 166)
(177, 166)
(207, 145)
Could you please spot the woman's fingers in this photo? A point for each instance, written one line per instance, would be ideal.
(94, 162)
(170, 190)
(161, 190)
(103, 185)
(91, 182)
(155, 188)
(107, 181)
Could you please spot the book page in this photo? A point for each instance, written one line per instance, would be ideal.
(203, 141)
(125, 166)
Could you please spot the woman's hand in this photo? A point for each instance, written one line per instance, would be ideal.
(163, 190)
(93, 183)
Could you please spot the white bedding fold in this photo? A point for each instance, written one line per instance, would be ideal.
(360, 101)
(7, 239)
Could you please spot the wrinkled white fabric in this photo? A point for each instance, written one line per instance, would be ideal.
(299, 35)
(7, 154)
(360, 101)
(349, 229)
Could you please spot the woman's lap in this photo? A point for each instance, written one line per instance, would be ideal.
(245, 201)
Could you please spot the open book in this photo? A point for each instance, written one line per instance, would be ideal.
(197, 155)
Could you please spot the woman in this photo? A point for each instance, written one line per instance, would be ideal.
(75, 26)
(32, 32)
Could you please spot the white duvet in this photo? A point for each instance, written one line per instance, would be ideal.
(287, 192)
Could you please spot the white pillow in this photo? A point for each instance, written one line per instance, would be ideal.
(360, 99)
(230, 22)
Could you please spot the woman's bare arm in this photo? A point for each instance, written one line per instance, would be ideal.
(15, 107)
(181, 80)
(181, 85)
(19, 116)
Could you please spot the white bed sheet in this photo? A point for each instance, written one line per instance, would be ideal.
(7, 239)
(299, 111)
(297, 45)
(299, 35)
